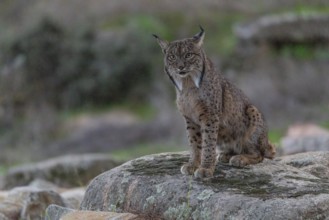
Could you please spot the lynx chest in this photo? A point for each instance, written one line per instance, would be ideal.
(191, 105)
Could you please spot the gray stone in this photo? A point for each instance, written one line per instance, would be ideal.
(73, 197)
(286, 27)
(154, 187)
(55, 212)
(28, 203)
(66, 171)
(316, 163)
(293, 145)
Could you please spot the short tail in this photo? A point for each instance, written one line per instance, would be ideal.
(270, 151)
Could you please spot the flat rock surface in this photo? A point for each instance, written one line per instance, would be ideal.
(152, 186)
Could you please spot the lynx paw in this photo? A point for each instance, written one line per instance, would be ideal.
(239, 161)
(224, 158)
(188, 169)
(202, 173)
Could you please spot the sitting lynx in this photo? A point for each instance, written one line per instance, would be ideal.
(215, 111)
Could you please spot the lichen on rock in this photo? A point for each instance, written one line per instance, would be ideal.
(153, 186)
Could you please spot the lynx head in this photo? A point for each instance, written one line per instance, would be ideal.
(184, 58)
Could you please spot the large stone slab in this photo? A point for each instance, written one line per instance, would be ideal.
(304, 138)
(154, 187)
(66, 171)
(55, 212)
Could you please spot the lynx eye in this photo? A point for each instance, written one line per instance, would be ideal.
(188, 55)
(171, 57)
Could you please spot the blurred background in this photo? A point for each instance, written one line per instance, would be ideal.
(80, 76)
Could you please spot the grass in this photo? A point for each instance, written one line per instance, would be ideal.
(275, 135)
(145, 149)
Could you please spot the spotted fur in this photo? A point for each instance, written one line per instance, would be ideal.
(215, 111)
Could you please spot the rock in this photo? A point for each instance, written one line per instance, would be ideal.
(286, 28)
(55, 212)
(303, 138)
(153, 186)
(43, 184)
(73, 197)
(67, 171)
(28, 203)
(316, 163)
(3, 195)
(306, 130)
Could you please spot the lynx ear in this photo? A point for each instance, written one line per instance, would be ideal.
(163, 43)
(198, 38)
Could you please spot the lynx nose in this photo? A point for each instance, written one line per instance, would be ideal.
(181, 68)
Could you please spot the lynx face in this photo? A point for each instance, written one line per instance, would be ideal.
(184, 58)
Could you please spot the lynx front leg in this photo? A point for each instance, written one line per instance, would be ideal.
(209, 131)
(194, 137)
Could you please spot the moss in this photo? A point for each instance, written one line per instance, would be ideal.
(180, 212)
(227, 178)
(149, 202)
(204, 213)
(125, 178)
(159, 190)
(160, 165)
(301, 163)
(205, 194)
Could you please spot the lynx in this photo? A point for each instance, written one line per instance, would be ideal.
(215, 111)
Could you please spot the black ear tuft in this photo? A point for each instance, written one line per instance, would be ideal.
(202, 30)
(198, 38)
(200, 34)
(155, 36)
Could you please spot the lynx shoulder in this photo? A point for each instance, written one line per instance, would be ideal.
(217, 114)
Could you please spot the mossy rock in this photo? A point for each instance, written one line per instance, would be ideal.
(153, 186)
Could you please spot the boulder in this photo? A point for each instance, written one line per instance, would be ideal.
(152, 186)
(66, 171)
(304, 138)
(73, 197)
(55, 212)
(28, 203)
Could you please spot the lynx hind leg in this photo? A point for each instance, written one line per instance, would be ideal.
(242, 160)
(195, 141)
(258, 130)
(254, 136)
(224, 157)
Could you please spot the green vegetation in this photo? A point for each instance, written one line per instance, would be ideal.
(145, 149)
(3, 170)
(304, 51)
(275, 135)
(304, 9)
(220, 37)
(325, 124)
